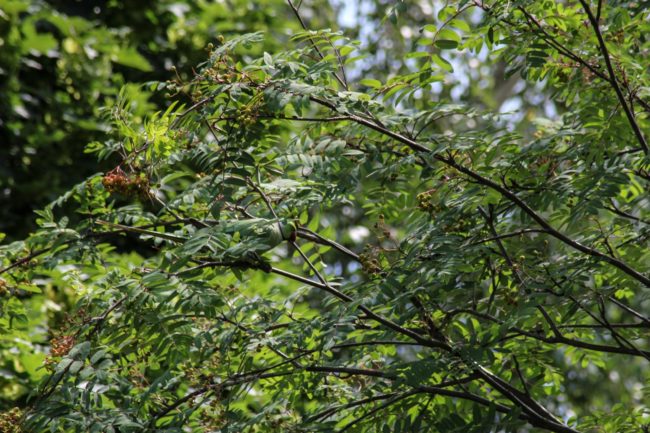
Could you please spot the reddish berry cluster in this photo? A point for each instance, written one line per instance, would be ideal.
(117, 181)
(62, 345)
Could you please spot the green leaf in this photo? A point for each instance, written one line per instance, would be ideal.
(444, 64)
(375, 84)
(130, 57)
(445, 44)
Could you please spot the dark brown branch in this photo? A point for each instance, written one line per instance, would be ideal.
(282, 117)
(394, 397)
(613, 80)
(624, 214)
(641, 325)
(521, 375)
(508, 235)
(503, 191)
(312, 236)
(180, 116)
(121, 229)
(566, 52)
(516, 332)
(630, 310)
(99, 320)
(621, 340)
(31, 256)
(534, 23)
(342, 296)
(235, 380)
(332, 410)
(373, 343)
(350, 371)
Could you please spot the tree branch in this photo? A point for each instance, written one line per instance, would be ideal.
(503, 191)
(612, 75)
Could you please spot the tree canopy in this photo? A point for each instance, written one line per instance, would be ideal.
(439, 226)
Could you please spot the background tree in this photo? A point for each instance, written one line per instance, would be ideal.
(501, 285)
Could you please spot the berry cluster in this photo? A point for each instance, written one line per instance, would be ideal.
(248, 115)
(370, 262)
(117, 181)
(430, 203)
(60, 347)
(424, 201)
(10, 421)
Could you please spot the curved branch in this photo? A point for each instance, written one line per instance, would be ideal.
(414, 145)
(612, 76)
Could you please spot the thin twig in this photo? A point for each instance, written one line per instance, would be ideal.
(613, 79)
(520, 374)
(380, 407)
(296, 12)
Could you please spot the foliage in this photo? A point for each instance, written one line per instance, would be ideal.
(318, 254)
(62, 62)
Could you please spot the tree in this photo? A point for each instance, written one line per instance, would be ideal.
(60, 64)
(503, 279)
(63, 61)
